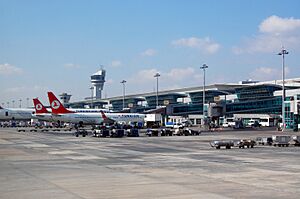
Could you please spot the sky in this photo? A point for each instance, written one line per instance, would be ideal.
(56, 45)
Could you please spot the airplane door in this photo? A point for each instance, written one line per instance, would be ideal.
(6, 113)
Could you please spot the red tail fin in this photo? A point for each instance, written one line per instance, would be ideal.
(39, 107)
(106, 119)
(56, 105)
(103, 115)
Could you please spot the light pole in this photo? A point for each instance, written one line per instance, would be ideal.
(203, 67)
(92, 88)
(123, 82)
(20, 105)
(27, 101)
(282, 53)
(3, 104)
(7, 104)
(157, 75)
(13, 103)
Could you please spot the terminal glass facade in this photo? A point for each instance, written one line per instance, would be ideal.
(197, 97)
(129, 103)
(163, 100)
(256, 92)
(263, 106)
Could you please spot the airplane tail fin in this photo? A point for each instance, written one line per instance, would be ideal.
(106, 119)
(39, 107)
(103, 115)
(56, 106)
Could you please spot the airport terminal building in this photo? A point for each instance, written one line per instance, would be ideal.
(221, 100)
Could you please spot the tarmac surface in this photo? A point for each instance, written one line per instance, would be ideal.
(60, 165)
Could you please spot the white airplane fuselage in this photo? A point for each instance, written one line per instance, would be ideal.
(126, 117)
(79, 118)
(16, 114)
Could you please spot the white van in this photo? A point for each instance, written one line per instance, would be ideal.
(228, 122)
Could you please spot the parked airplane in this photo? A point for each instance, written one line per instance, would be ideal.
(41, 112)
(15, 113)
(109, 117)
(60, 113)
(123, 117)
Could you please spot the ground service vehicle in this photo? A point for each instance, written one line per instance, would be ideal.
(166, 132)
(219, 143)
(82, 132)
(246, 143)
(296, 139)
(101, 133)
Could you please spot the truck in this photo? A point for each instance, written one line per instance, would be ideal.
(281, 140)
(153, 120)
(222, 143)
(173, 125)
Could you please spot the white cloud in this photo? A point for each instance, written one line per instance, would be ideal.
(149, 52)
(276, 25)
(25, 89)
(116, 63)
(71, 66)
(109, 81)
(173, 78)
(174, 75)
(206, 45)
(267, 73)
(274, 32)
(7, 69)
(24, 92)
(178, 74)
(145, 75)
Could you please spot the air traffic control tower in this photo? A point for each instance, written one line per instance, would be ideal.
(97, 80)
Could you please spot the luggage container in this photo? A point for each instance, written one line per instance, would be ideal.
(264, 140)
(166, 132)
(281, 140)
(133, 133)
(152, 132)
(117, 133)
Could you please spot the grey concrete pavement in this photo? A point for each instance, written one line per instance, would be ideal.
(46, 165)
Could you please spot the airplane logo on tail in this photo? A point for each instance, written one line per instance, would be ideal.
(38, 107)
(55, 104)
